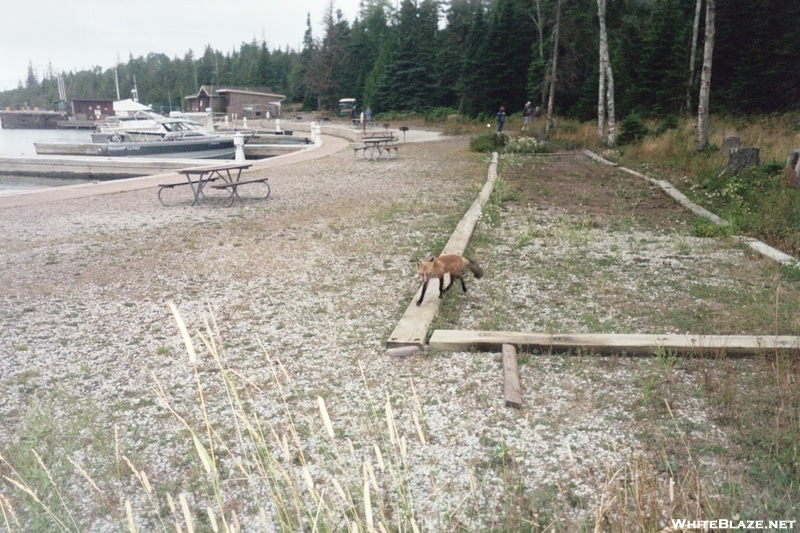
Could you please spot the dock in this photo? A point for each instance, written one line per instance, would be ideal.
(69, 160)
(93, 167)
(76, 124)
(251, 150)
(30, 120)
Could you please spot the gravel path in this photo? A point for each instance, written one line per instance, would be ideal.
(316, 278)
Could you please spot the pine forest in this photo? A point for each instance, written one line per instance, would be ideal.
(472, 56)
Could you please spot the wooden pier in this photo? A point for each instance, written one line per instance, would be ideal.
(95, 167)
(251, 150)
(30, 120)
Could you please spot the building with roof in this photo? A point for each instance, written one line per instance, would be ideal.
(236, 101)
(96, 109)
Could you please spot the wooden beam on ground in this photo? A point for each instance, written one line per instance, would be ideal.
(769, 251)
(459, 341)
(412, 329)
(512, 391)
(679, 197)
(667, 188)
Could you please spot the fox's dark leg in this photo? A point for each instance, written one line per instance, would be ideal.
(424, 288)
(463, 285)
(442, 288)
(448, 285)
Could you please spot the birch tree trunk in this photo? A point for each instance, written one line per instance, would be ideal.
(605, 99)
(601, 96)
(553, 74)
(539, 21)
(693, 56)
(705, 78)
(612, 119)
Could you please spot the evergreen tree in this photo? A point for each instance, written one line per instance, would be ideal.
(757, 56)
(330, 72)
(368, 40)
(662, 64)
(471, 86)
(452, 43)
(507, 48)
(299, 90)
(489, 52)
(31, 83)
(409, 81)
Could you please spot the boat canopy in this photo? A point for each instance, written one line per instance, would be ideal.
(127, 107)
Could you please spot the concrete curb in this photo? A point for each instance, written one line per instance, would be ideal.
(42, 196)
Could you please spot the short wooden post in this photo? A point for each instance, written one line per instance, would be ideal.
(739, 158)
(730, 141)
(792, 170)
(511, 387)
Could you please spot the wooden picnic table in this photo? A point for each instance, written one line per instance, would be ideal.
(377, 134)
(198, 177)
(375, 144)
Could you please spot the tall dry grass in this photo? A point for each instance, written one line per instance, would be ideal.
(676, 149)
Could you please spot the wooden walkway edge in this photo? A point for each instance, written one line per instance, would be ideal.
(699, 211)
(635, 344)
(412, 329)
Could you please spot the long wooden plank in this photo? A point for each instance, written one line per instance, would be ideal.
(637, 344)
(769, 251)
(512, 391)
(412, 329)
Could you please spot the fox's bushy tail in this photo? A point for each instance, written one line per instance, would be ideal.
(475, 268)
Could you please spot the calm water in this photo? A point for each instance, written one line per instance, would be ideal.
(20, 142)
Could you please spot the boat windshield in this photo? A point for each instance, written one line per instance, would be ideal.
(180, 126)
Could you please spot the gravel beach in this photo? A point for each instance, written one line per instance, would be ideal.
(299, 294)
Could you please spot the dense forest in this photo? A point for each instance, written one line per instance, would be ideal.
(471, 56)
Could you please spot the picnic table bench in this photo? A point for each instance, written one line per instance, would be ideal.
(375, 143)
(261, 192)
(197, 178)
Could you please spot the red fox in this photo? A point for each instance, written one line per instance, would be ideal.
(437, 267)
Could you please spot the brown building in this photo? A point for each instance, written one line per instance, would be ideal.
(241, 102)
(91, 108)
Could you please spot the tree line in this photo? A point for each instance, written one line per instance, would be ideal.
(471, 56)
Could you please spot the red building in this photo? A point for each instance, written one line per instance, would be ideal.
(91, 108)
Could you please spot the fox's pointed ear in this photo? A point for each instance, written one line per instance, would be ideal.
(432, 259)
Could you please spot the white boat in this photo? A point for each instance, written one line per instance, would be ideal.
(143, 133)
(203, 147)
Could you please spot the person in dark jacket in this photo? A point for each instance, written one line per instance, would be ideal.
(501, 118)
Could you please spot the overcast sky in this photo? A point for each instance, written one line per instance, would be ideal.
(82, 34)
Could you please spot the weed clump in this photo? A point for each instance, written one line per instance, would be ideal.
(757, 202)
(488, 142)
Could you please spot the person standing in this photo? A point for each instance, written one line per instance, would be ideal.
(368, 113)
(501, 118)
(527, 116)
